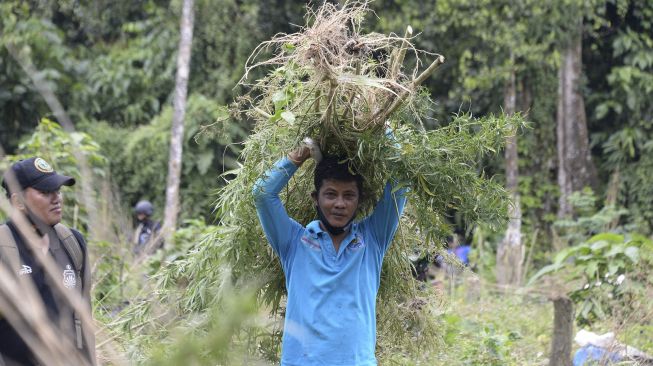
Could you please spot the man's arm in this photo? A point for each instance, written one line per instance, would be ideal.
(384, 220)
(279, 228)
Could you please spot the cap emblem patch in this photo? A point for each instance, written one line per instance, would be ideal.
(42, 166)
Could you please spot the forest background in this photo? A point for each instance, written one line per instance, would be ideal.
(580, 72)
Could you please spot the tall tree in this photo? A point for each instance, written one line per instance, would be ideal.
(575, 167)
(177, 133)
(510, 252)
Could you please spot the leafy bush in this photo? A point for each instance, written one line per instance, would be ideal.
(495, 329)
(155, 321)
(588, 220)
(607, 274)
(34, 39)
(139, 163)
(58, 147)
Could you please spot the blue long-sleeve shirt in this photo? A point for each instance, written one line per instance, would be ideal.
(331, 310)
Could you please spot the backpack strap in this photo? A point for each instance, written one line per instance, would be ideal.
(74, 250)
(8, 249)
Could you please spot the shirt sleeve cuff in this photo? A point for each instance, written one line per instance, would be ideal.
(286, 165)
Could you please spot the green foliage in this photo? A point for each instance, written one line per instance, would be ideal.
(598, 268)
(589, 221)
(140, 157)
(108, 289)
(128, 83)
(639, 336)
(59, 148)
(34, 38)
(209, 338)
(604, 265)
(621, 107)
(496, 329)
(160, 325)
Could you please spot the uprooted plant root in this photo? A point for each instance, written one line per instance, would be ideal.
(343, 82)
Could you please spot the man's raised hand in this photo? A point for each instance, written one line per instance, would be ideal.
(308, 148)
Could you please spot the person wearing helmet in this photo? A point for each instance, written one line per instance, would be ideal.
(147, 229)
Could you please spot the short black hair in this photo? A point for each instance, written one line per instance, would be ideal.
(336, 168)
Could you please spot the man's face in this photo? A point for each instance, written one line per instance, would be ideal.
(46, 206)
(338, 201)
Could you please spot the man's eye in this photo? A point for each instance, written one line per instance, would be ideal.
(47, 193)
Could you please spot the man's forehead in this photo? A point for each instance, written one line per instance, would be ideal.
(339, 185)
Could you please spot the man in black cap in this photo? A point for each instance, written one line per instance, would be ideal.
(33, 188)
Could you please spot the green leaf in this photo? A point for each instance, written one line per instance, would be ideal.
(597, 246)
(613, 268)
(585, 258)
(597, 308)
(279, 99)
(608, 237)
(288, 47)
(545, 270)
(585, 309)
(591, 268)
(288, 116)
(615, 251)
(632, 253)
(424, 185)
(562, 255)
(601, 110)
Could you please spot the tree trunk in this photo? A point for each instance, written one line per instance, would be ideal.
(510, 253)
(563, 328)
(177, 130)
(575, 167)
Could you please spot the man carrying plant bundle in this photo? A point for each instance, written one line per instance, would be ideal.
(332, 266)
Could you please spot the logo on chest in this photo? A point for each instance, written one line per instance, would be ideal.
(357, 243)
(69, 277)
(25, 270)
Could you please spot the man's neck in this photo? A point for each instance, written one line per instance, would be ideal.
(44, 243)
(336, 239)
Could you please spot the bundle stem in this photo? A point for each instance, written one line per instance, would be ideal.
(416, 82)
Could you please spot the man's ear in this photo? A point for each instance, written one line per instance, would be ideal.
(17, 201)
(314, 197)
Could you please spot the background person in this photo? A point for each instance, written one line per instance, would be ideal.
(147, 229)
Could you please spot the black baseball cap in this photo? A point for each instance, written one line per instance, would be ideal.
(36, 173)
